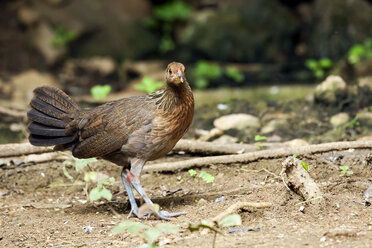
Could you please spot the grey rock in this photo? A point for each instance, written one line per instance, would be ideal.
(226, 139)
(331, 90)
(339, 119)
(365, 118)
(272, 125)
(237, 121)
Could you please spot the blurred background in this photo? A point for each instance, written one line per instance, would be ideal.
(251, 57)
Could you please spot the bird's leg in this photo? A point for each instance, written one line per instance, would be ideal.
(133, 178)
(132, 200)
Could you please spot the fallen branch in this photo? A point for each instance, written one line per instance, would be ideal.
(296, 177)
(34, 158)
(254, 156)
(13, 113)
(239, 205)
(210, 148)
(13, 150)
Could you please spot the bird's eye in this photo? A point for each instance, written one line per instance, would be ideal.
(170, 71)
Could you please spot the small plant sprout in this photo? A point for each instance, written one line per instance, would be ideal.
(370, 108)
(345, 170)
(204, 72)
(359, 52)
(149, 234)
(100, 191)
(62, 36)
(304, 165)
(259, 138)
(192, 172)
(354, 122)
(234, 74)
(91, 177)
(148, 85)
(208, 178)
(228, 221)
(100, 91)
(318, 66)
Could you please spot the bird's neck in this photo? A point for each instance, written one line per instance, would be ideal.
(173, 96)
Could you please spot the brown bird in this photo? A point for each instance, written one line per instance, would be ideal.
(127, 132)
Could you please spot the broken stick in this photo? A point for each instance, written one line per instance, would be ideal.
(254, 156)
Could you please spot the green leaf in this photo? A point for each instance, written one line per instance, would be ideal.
(105, 193)
(325, 63)
(312, 64)
(166, 44)
(172, 11)
(296, 155)
(62, 36)
(100, 91)
(304, 165)
(201, 83)
(90, 176)
(355, 53)
(122, 227)
(207, 70)
(151, 234)
(148, 85)
(235, 74)
(65, 170)
(107, 181)
(167, 228)
(206, 177)
(135, 228)
(259, 138)
(370, 108)
(319, 73)
(81, 163)
(231, 220)
(95, 194)
(192, 172)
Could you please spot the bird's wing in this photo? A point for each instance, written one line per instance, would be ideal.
(107, 128)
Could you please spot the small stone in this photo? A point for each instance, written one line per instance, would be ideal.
(297, 142)
(339, 119)
(330, 90)
(365, 118)
(220, 199)
(213, 133)
(226, 139)
(202, 201)
(237, 121)
(272, 125)
(88, 229)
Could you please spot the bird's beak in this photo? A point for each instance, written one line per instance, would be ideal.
(180, 76)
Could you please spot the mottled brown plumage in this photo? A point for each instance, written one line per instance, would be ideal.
(128, 131)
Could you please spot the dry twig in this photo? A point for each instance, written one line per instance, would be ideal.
(239, 205)
(13, 150)
(254, 156)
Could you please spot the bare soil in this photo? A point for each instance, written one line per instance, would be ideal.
(40, 207)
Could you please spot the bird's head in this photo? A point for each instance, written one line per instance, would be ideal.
(175, 73)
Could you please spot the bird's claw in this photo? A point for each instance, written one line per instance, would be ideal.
(161, 214)
(165, 214)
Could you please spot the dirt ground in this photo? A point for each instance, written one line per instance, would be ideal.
(40, 207)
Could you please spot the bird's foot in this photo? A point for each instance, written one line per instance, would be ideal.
(166, 215)
(146, 210)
